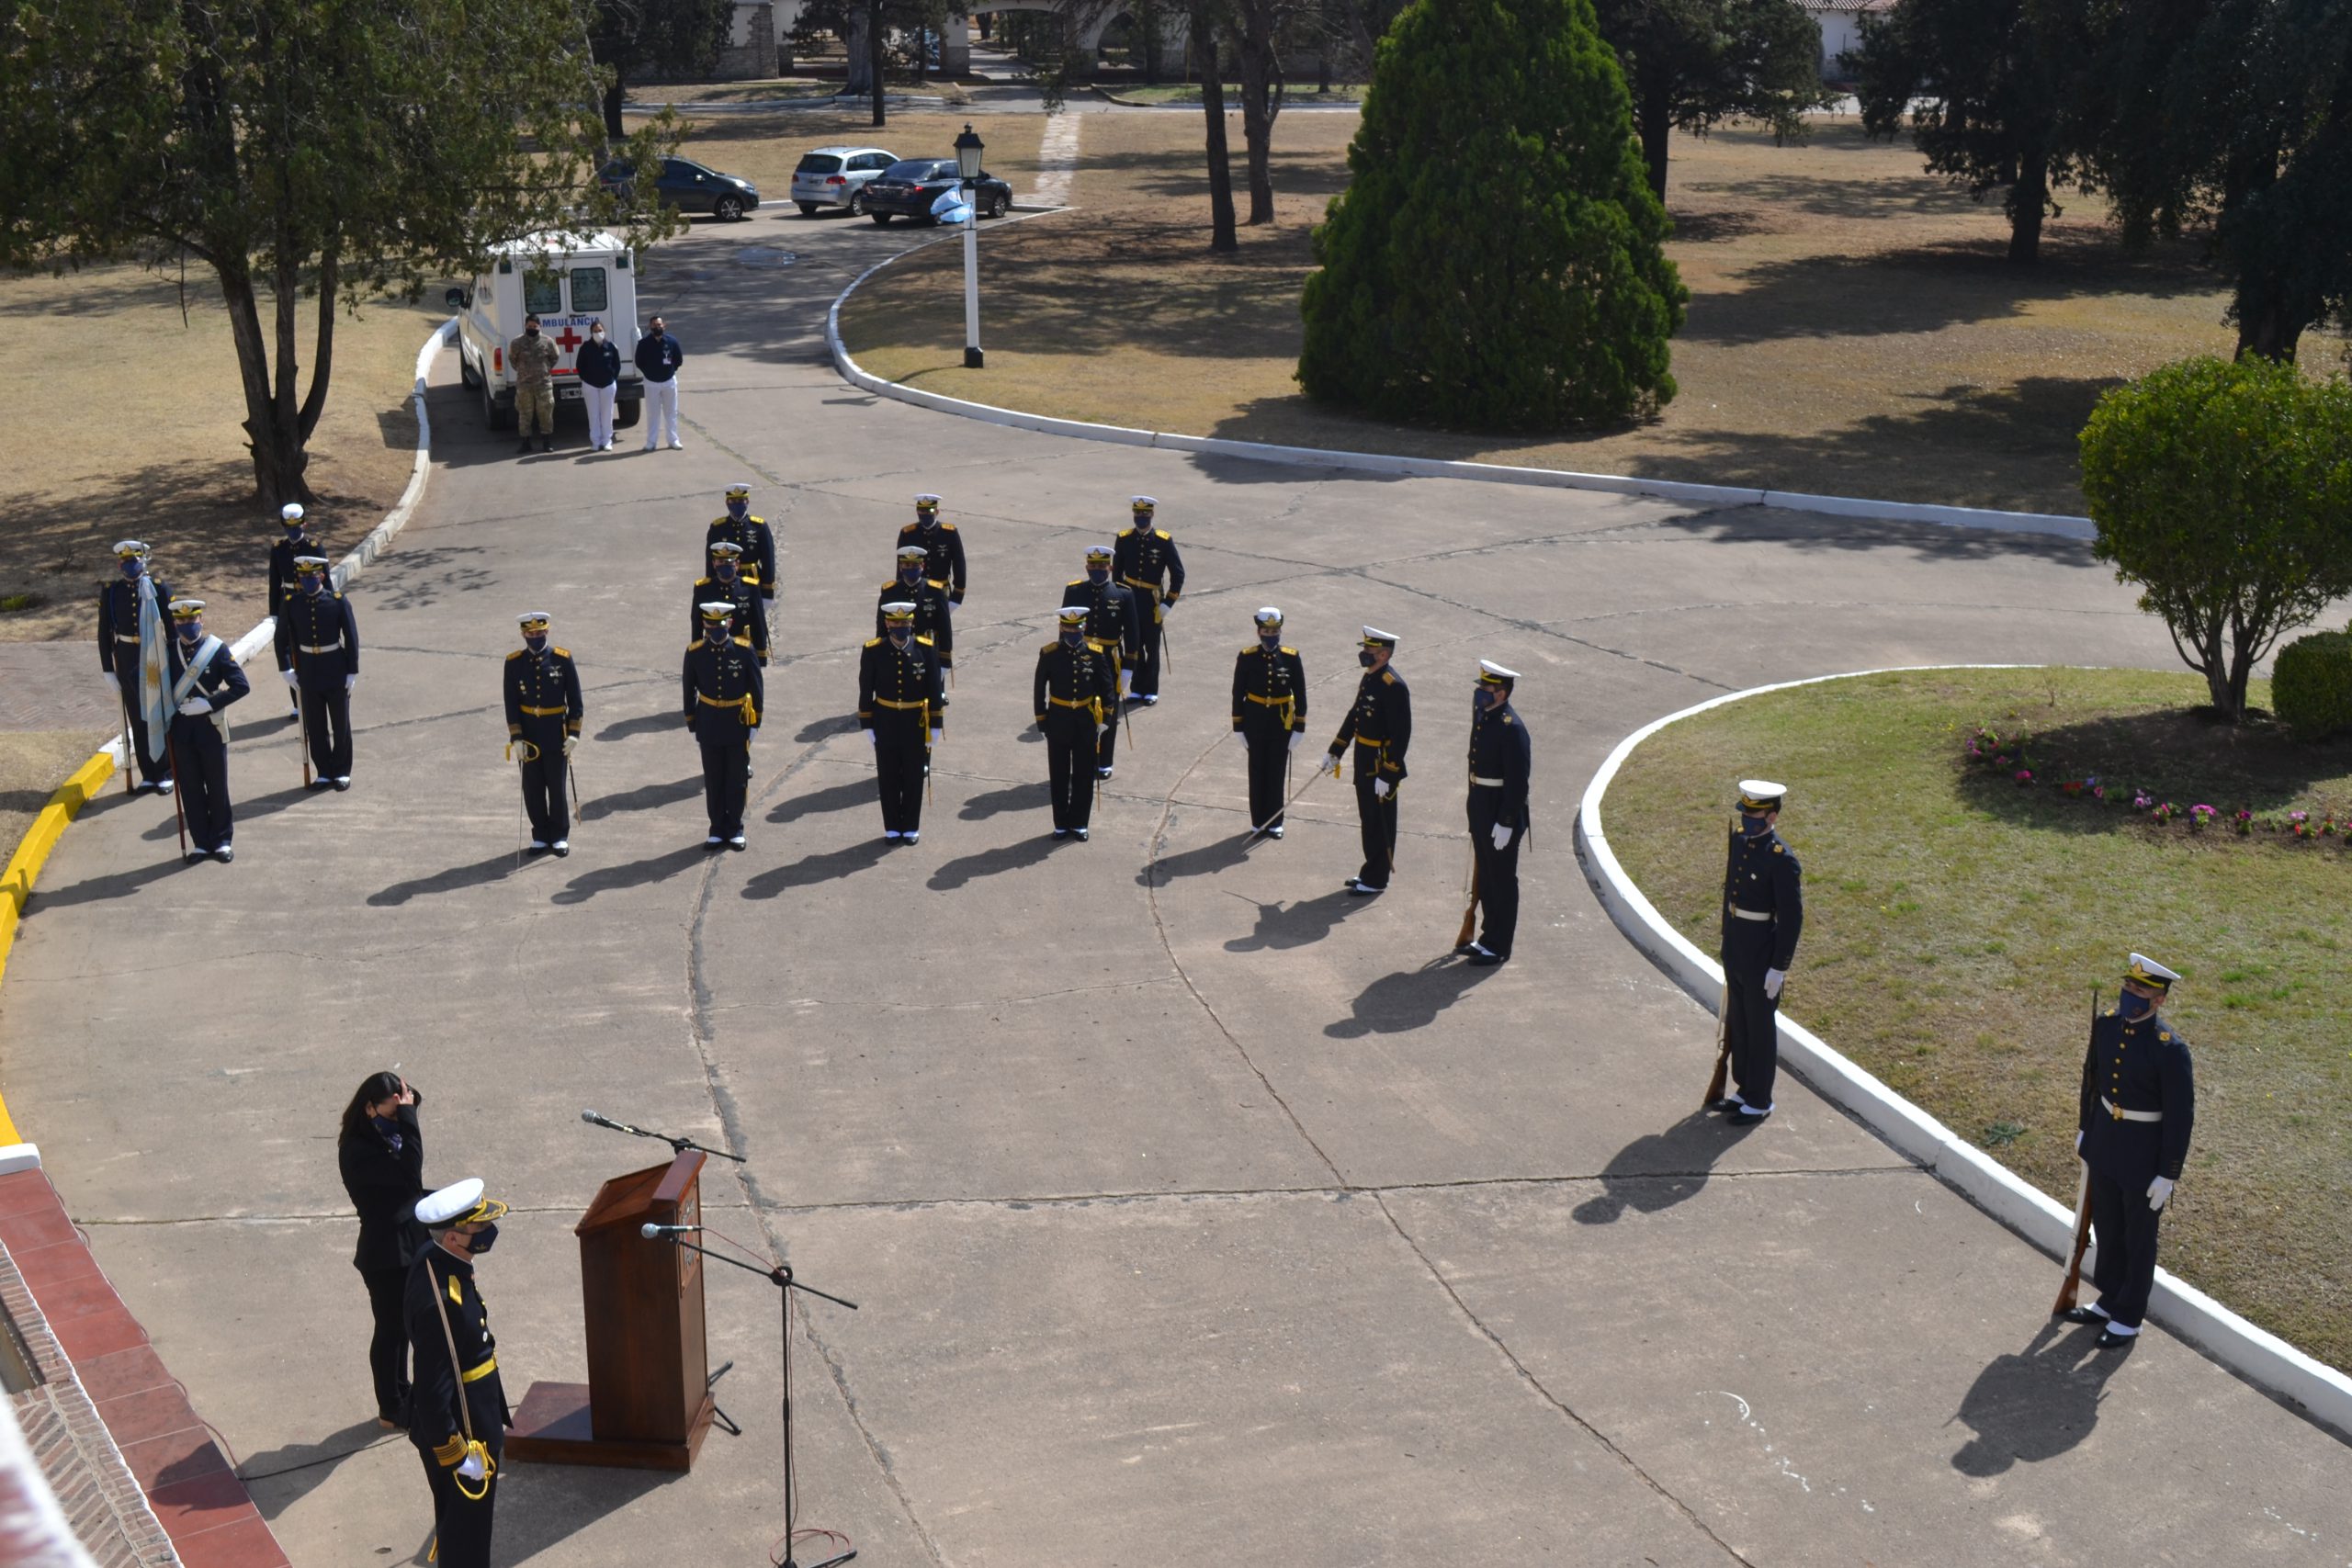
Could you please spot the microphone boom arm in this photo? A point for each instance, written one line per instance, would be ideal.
(677, 1145)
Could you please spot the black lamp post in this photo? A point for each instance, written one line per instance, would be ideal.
(967, 165)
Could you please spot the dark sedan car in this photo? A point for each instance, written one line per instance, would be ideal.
(690, 187)
(909, 187)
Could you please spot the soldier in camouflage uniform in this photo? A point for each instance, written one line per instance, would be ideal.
(534, 357)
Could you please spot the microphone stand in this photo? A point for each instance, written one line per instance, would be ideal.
(677, 1145)
(780, 1276)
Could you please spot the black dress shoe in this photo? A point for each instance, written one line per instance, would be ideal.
(524, 447)
(1363, 889)
(1482, 959)
(2111, 1340)
(1743, 1117)
(1725, 1106)
(560, 848)
(2083, 1315)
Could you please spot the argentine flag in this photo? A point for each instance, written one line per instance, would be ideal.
(952, 208)
(155, 688)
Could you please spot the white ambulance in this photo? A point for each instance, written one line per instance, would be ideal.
(569, 281)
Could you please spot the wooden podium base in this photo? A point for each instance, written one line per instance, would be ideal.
(553, 1427)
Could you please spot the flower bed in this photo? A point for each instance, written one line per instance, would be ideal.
(2013, 754)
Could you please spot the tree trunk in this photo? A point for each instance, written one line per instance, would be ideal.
(613, 96)
(279, 459)
(874, 30)
(2029, 199)
(1657, 117)
(2266, 329)
(314, 402)
(1222, 237)
(1261, 82)
(858, 61)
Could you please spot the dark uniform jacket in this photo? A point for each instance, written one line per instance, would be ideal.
(1760, 874)
(1074, 681)
(947, 555)
(933, 616)
(221, 682)
(1381, 725)
(541, 688)
(758, 541)
(1113, 620)
(324, 624)
(435, 1423)
(384, 1184)
(750, 609)
(1268, 684)
(118, 623)
(282, 576)
(724, 693)
(1499, 749)
(599, 364)
(1138, 558)
(901, 685)
(2141, 1065)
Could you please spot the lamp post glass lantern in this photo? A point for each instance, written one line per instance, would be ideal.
(967, 165)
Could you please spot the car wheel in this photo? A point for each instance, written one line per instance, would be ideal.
(882, 220)
(857, 204)
(994, 207)
(727, 209)
(808, 208)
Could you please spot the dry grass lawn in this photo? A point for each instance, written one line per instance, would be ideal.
(1956, 927)
(1853, 326)
(32, 764)
(135, 428)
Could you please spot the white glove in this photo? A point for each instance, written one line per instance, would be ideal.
(1380, 789)
(570, 741)
(869, 738)
(1772, 979)
(934, 737)
(1295, 737)
(112, 680)
(2079, 1142)
(471, 1467)
(1127, 680)
(1502, 837)
(196, 705)
(350, 682)
(1099, 730)
(292, 680)
(2159, 1193)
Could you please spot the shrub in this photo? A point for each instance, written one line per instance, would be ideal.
(1497, 259)
(2310, 686)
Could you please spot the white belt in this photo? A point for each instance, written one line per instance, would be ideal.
(1490, 784)
(335, 647)
(1739, 914)
(126, 637)
(2130, 1115)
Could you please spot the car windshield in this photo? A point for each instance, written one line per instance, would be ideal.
(818, 163)
(914, 170)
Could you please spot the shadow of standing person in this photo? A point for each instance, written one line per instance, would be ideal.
(1658, 1170)
(2035, 1404)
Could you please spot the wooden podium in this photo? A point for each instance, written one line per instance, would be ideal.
(647, 1403)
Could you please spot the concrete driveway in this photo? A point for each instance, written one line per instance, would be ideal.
(1196, 1212)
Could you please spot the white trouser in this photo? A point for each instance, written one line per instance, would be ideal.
(600, 412)
(661, 411)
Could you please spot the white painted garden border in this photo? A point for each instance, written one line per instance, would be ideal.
(2261, 1357)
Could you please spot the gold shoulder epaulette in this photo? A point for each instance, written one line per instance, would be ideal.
(745, 641)
(874, 642)
(517, 654)
(1387, 679)
(702, 582)
(1049, 647)
(695, 644)
(1292, 651)
(1163, 532)
(924, 638)
(1780, 848)
(949, 527)
(1078, 582)
(1505, 719)
(563, 653)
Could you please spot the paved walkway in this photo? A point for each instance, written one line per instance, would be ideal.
(54, 685)
(1197, 1212)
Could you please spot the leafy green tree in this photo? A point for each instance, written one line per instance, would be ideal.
(2234, 117)
(1692, 64)
(1497, 260)
(2224, 490)
(634, 38)
(1989, 86)
(328, 147)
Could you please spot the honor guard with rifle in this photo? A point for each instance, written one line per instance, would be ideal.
(2137, 1104)
(1147, 564)
(941, 542)
(1763, 916)
(935, 617)
(1270, 715)
(723, 697)
(1380, 725)
(754, 540)
(1500, 761)
(457, 1415)
(119, 654)
(727, 582)
(1111, 628)
(205, 679)
(318, 653)
(296, 541)
(543, 715)
(1075, 697)
(902, 707)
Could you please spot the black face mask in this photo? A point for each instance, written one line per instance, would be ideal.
(1755, 826)
(480, 1242)
(900, 637)
(191, 632)
(131, 568)
(2130, 1007)
(738, 510)
(538, 643)
(1364, 657)
(387, 1125)
(530, 332)
(910, 575)
(312, 585)
(1270, 639)
(1072, 639)
(1098, 574)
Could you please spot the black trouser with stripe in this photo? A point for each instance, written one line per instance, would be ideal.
(1498, 872)
(1069, 751)
(1377, 820)
(1146, 681)
(726, 784)
(461, 1525)
(544, 796)
(1751, 1018)
(2125, 1228)
(202, 763)
(1269, 742)
(901, 749)
(326, 716)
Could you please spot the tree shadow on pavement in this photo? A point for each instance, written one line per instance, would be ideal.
(989, 863)
(812, 869)
(1409, 999)
(1296, 925)
(838, 797)
(2036, 1405)
(280, 1477)
(645, 797)
(500, 864)
(1206, 861)
(633, 874)
(1658, 1170)
(1035, 797)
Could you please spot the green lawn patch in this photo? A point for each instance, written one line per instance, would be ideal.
(1958, 924)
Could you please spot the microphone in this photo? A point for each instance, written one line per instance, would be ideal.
(594, 1120)
(653, 1233)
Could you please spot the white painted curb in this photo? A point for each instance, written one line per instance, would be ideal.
(2261, 1357)
(858, 376)
(260, 637)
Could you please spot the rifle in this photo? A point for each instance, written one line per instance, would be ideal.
(129, 739)
(1469, 930)
(2070, 1291)
(179, 804)
(302, 732)
(1716, 1085)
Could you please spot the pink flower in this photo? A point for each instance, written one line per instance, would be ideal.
(2025, 775)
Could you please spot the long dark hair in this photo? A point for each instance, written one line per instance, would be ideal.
(375, 1088)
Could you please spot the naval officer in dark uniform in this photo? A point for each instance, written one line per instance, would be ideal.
(1763, 916)
(754, 539)
(935, 617)
(902, 706)
(1381, 727)
(1146, 562)
(205, 679)
(119, 655)
(1075, 697)
(1270, 715)
(942, 544)
(457, 1412)
(296, 542)
(727, 582)
(1112, 629)
(317, 652)
(1502, 759)
(723, 697)
(543, 716)
(2137, 1104)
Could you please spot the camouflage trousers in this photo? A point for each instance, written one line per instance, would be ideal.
(535, 399)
